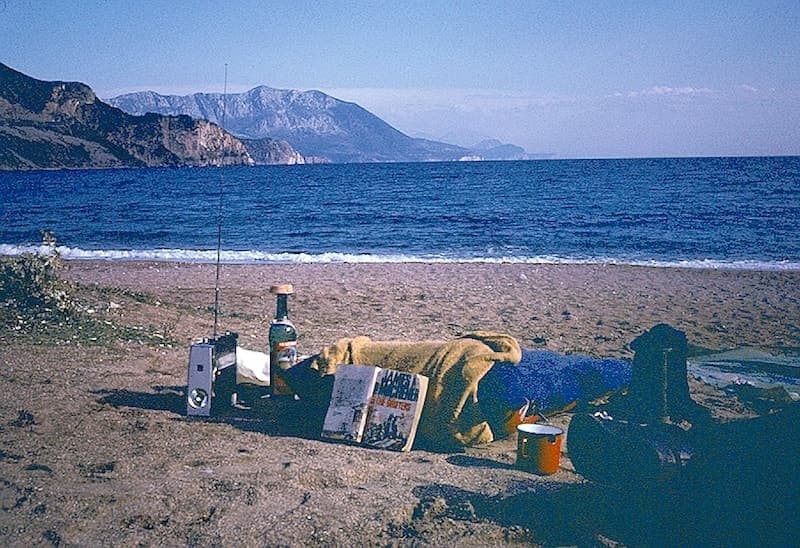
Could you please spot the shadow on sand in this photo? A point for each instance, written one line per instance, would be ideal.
(590, 515)
(719, 507)
(275, 417)
(468, 461)
(742, 489)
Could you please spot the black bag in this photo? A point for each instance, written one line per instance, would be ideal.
(618, 452)
(659, 389)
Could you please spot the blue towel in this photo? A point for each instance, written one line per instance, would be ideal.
(550, 380)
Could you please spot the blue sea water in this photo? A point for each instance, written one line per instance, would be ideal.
(716, 212)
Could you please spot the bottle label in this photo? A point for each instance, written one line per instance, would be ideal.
(285, 356)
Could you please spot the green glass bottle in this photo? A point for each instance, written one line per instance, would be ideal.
(282, 342)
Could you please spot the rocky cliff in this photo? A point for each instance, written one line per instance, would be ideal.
(274, 151)
(50, 125)
(316, 124)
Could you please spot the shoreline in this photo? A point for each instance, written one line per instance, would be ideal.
(260, 258)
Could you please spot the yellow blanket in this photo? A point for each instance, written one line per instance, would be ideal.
(451, 415)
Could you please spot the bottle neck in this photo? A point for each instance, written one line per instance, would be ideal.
(282, 313)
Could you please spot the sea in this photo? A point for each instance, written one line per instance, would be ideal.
(733, 213)
(725, 213)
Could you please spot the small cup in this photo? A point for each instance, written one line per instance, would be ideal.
(539, 448)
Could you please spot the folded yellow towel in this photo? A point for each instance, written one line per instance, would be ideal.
(451, 415)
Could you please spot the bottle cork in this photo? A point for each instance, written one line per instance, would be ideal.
(282, 289)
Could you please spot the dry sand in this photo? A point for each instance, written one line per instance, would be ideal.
(95, 450)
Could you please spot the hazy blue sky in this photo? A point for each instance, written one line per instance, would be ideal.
(575, 79)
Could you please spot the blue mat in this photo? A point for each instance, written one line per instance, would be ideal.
(550, 380)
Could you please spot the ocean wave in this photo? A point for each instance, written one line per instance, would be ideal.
(262, 257)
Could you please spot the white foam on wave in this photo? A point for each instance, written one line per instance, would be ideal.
(262, 257)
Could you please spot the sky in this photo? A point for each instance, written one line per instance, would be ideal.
(581, 79)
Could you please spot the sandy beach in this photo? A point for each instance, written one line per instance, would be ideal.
(95, 448)
(572, 308)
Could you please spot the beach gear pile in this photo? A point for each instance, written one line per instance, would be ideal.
(648, 439)
(481, 384)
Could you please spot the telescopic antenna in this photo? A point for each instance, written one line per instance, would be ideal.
(219, 208)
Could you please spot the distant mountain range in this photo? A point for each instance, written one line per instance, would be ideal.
(46, 125)
(320, 127)
(317, 125)
(51, 125)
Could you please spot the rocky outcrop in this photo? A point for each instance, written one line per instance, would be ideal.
(317, 125)
(268, 151)
(492, 149)
(50, 125)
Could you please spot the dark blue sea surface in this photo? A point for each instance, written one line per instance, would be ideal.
(718, 212)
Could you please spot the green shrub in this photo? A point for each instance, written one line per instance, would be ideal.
(31, 289)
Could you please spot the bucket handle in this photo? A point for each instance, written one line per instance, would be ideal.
(552, 438)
